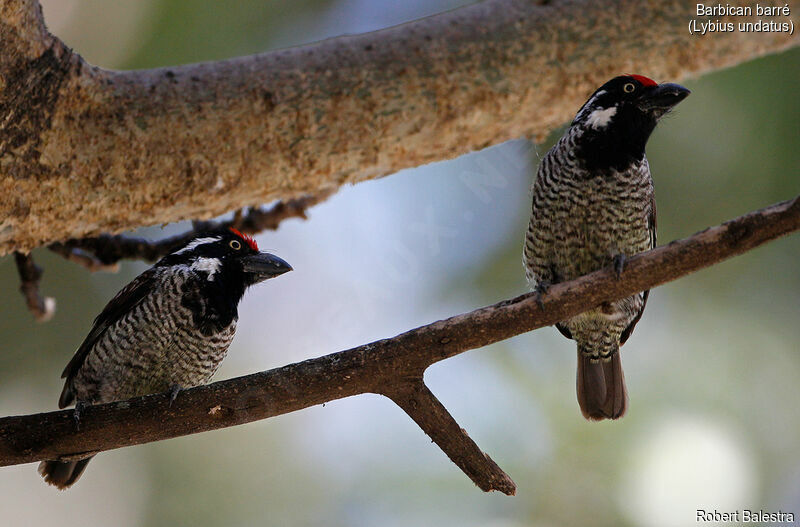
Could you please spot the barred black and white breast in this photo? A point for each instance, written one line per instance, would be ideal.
(593, 205)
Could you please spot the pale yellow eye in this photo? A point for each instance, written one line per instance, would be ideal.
(235, 245)
(629, 87)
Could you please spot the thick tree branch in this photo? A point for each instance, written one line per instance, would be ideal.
(85, 151)
(393, 367)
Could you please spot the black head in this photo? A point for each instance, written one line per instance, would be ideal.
(619, 117)
(227, 256)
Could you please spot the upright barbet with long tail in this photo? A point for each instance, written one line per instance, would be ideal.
(167, 330)
(593, 206)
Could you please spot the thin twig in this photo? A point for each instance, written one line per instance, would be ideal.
(42, 308)
(105, 251)
(102, 253)
(82, 258)
(386, 366)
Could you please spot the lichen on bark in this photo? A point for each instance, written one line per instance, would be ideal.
(99, 151)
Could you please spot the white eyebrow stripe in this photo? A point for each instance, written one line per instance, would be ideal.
(596, 95)
(194, 243)
(590, 102)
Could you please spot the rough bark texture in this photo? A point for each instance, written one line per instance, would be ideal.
(392, 367)
(85, 151)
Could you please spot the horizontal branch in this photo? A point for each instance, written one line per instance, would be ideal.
(86, 151)
(393, 367)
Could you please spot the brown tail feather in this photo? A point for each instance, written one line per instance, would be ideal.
(63, 474)
(601, 388)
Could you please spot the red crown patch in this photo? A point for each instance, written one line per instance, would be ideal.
(247, 239)
(645, 81)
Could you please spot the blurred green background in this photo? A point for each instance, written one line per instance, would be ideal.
(713, 368)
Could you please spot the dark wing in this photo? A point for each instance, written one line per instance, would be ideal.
(130, 295)
(564, 330)
(651, 221)
(627, 332)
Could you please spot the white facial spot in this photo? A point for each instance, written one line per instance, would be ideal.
(600, 118)
(194, 243)
(207, 265)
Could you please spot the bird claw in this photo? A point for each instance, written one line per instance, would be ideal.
(76, 415)
(619, 264)
(541, 291)
(174, 390)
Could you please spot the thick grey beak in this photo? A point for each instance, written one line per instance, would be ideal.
(663, 97)
(265, 265)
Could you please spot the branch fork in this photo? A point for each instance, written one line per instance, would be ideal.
(392, 367)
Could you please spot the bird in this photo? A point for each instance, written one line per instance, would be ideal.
(593, 206)
(167, 330)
